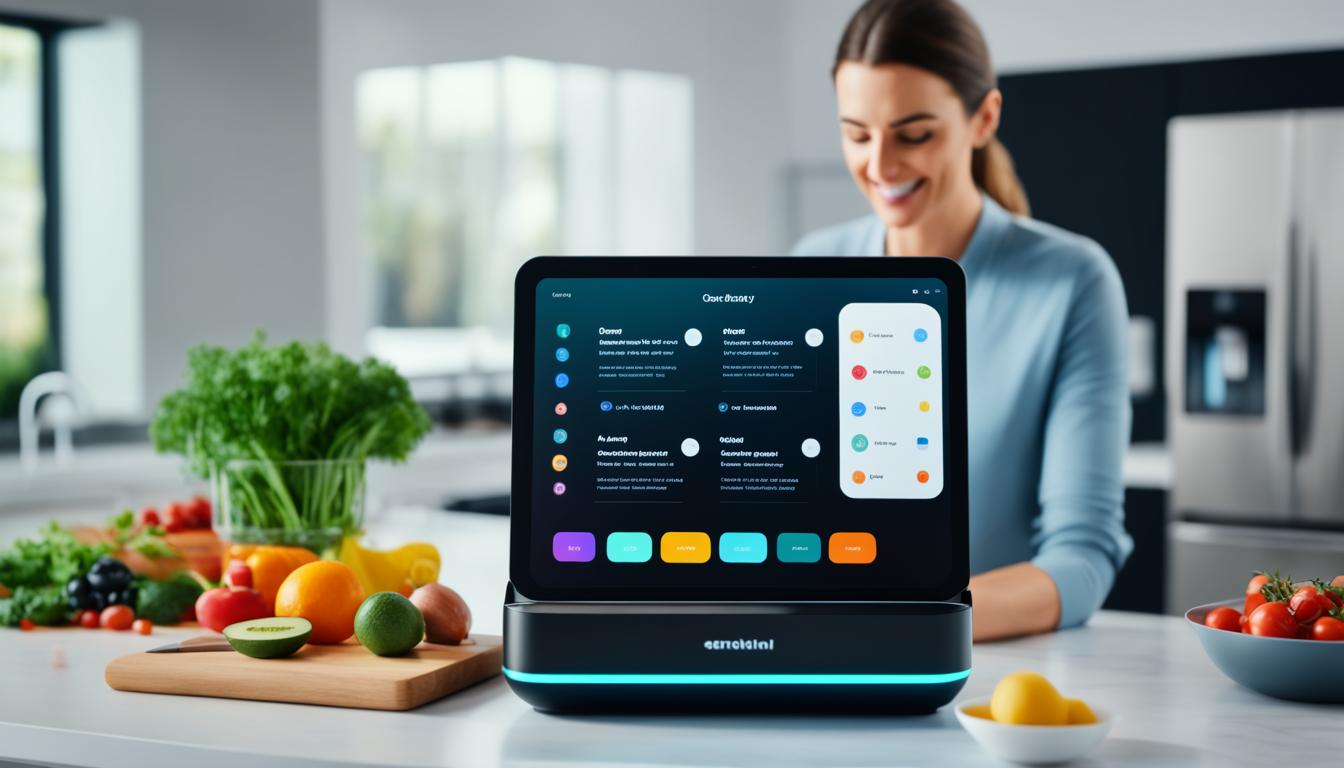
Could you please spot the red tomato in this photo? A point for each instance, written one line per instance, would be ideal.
(150, 516)
(1224, 618)
(1306, 604)
(1273, 620)
(117, 617)
(1253, 600)
(143, 626)
(1256, 582)
(26, 624)
(1335, 600)
(88, 619)
(1245, 622)
(199, 512)
(1327, 628)
(1338, 581)
(174, 518)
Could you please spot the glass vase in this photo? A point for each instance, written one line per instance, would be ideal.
(311, 504)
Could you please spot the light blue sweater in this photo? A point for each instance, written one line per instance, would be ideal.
(1048, 404)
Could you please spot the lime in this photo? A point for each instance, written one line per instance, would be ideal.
(389, 624)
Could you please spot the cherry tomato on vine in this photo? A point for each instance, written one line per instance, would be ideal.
(1224, 618)
(1327, 628)
(1273, 620)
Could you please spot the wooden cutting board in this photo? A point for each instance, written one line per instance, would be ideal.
(345, 675)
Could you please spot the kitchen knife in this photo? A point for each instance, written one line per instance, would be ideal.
(194, 644)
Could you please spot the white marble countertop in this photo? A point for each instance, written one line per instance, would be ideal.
(1173, 706)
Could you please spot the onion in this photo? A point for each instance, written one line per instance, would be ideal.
(447, 617)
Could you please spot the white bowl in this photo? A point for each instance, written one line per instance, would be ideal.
(1034, 744)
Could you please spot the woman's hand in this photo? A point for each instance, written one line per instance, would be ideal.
(1012, 601)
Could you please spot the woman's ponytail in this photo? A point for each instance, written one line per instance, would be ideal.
(993, 171)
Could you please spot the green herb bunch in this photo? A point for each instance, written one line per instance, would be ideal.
(247, 412)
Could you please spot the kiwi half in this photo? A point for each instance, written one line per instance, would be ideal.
(271, 638)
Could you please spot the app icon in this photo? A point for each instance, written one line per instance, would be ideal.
(852, 548)
(558, 489)
(562, 330)
(561, 409)
(858, 409)
(798, 548)
(561, 354)
(922, 476)
(574, 547)
(856, 335)
(923, 372)
(560, 435)
(629, 547)
(723, 407)
(924, 405)
(562, 380)
(693, 337)
(859, 372)
(605, 405)
(690, 446)
(559, 462)
(858, 477)
(922, 443)
(921, 335)
(859, 443)
(814, 337)
(811, 448)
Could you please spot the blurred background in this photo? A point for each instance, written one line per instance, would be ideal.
(371, 173)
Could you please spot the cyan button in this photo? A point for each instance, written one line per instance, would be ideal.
(742, 547)
(798, 548)
(629, 547)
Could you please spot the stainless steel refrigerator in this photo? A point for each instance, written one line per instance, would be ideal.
(1255, 349)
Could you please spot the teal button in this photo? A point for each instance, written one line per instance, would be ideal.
(742, 547)
(629, 547)
(798, 548)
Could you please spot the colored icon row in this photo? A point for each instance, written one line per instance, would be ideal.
(859, 477)
(860, 443)
(857, 335)
(692, 547)
(859, 408)
(860, 373)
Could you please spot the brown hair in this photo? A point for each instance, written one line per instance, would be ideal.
(941, 37)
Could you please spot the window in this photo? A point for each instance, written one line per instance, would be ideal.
(27, 343)
(471, 168)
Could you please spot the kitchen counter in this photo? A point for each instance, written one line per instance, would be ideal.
(1174, 707)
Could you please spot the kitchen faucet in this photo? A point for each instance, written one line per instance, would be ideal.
(60, 409)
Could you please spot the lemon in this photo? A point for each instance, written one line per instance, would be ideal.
(1080, 713)
(1026, 698)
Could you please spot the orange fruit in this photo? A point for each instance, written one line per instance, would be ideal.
(272, 565)
(327, 594)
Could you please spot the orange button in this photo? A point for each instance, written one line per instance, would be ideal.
(859, 548)
(685, 547)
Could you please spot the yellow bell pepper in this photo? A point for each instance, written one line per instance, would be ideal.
(394, 570)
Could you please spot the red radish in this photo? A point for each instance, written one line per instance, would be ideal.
(239, 575)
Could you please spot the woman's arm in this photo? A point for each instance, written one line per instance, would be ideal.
(1080, 537)
(1018, 599)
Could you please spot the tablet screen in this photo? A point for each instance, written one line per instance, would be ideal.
(725, 437)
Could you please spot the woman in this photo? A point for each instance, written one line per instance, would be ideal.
(1048, 406)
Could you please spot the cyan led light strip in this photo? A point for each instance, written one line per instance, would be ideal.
(569, 678)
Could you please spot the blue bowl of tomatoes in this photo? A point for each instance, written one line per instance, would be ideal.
(1284, 639)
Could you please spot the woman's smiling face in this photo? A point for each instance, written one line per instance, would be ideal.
(907, 139)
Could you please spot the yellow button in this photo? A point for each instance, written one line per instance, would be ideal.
(685, 547)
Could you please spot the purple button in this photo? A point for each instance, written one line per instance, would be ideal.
(574, 547)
